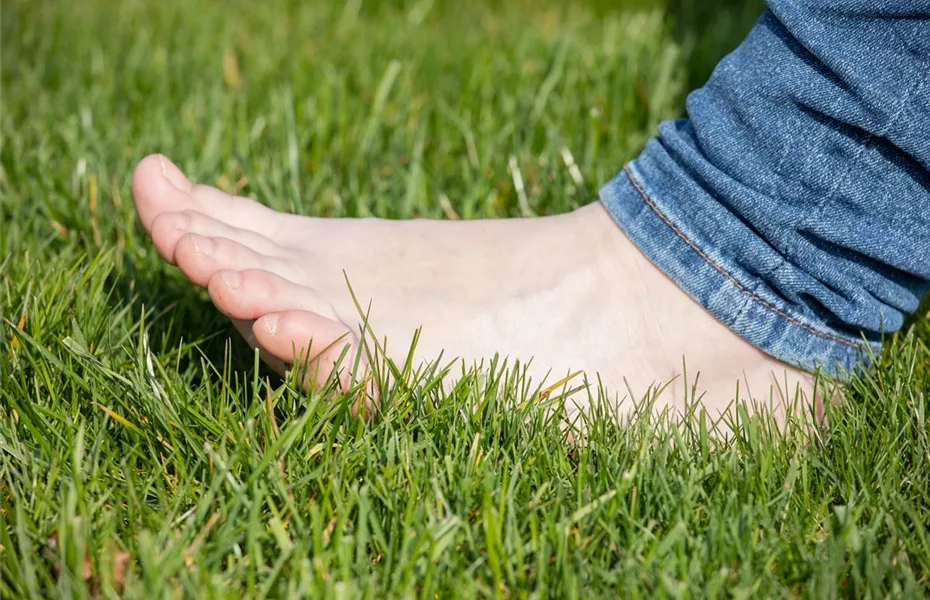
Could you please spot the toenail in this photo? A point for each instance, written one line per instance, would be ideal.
(182, 222)
(202, 245)
(173, 175)
(271, 323)
(231, 279)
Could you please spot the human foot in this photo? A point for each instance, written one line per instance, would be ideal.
(569, 292)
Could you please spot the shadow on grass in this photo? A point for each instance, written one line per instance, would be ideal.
(709, 30)
(919, 322)
(176, 314)
(705, 30)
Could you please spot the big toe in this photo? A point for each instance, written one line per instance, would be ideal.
(157, 187)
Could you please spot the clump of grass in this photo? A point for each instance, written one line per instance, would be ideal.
(145, 452)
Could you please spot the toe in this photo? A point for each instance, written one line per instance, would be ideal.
(201, 257)
(237, 211)
(158, 186)
(299, 336)
(245, 329)
(252, 293)
(169, 227)
(324, 349)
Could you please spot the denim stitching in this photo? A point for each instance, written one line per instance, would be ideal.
(742, 309)
(723, 272)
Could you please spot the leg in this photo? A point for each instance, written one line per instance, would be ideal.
(794, 204)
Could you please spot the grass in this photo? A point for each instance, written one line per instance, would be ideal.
(144, 452)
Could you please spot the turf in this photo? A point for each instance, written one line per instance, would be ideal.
(144, 452)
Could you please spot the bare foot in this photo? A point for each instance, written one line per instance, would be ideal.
(570, 292)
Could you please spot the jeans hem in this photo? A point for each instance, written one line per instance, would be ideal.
(736, 298)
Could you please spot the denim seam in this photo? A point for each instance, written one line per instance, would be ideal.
(742, 288)
(747, 302)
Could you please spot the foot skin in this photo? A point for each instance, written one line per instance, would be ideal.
(570, 292)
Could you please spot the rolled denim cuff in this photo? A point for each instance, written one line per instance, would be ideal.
(644, 210)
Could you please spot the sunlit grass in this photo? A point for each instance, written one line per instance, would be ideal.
(143, 451)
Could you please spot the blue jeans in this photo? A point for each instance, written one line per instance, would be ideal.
(794, 202)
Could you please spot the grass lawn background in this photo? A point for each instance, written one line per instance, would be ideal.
(142, 450)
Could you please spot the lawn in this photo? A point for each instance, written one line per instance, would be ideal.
(144, 452)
